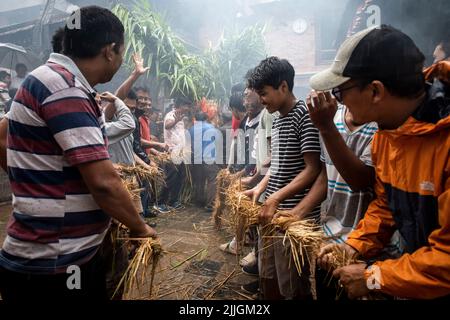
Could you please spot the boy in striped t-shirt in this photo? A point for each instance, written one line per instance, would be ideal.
(65, 188)
(295, 165)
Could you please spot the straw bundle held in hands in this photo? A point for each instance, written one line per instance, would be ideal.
(148, 252)
(305, 238)
(242, 212)
(150, 173)
(224, 181)
(162, 158)
(132, 186)
(340, 258)
(131, 175)
(179, 155)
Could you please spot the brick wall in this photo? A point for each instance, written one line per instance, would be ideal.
(299, 49)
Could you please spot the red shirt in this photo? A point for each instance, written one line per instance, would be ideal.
(145, 130)
(234, 125)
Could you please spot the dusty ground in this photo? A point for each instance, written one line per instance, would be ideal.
(193, 267)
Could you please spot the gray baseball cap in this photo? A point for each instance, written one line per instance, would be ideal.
(381, 53)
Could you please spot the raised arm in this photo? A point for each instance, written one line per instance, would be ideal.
(138, 71)
(322, 109)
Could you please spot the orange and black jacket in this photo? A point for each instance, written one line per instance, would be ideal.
(412, 165)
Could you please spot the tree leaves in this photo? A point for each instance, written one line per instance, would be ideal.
(209, 75)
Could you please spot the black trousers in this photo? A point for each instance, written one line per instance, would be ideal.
(15, 286)
(175, 176)
(204, 183)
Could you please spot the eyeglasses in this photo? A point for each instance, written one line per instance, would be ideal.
(337, 93)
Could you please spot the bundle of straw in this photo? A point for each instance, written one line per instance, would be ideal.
(305, 238)
(224, 180)
(150, 173)
(132, 175)
(147, 253)
(162, 158)
(186, 192)
(340, 258)
(132, 186)
(242, 212)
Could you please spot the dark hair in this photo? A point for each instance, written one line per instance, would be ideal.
(132, 95)
(141, 88)
(21, 65)
(406, 86)
(99, 27)
(3, 75)
(237, 97)
(272, 72)
(390, 56)
(237, 102)
(12, 92)
(200, 116)
(238, 88)
(57, 40)
(248, 74)
(182, 101)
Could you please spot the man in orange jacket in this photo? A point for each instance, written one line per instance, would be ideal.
(378, 75)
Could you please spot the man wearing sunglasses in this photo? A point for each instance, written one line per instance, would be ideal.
(378, 76)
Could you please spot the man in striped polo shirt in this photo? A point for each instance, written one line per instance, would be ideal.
(65, 188)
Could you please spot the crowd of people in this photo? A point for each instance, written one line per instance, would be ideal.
(365, 155)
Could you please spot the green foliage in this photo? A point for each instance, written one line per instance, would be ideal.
(178, 72)
(236, 53)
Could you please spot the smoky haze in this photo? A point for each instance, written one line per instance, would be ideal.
(305, 32)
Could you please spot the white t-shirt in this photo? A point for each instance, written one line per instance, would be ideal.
(16, 82)
(176, 136)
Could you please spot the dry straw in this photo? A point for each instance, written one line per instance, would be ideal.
(147, 252)
(242, 212)
(162, 158)
(225, 182)
(305, 238)
(150, 173)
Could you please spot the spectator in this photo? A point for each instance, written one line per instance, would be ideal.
(21, 73)
(378, 75)
(203, 168)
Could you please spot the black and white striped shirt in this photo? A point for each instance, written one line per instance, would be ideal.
(292, 136)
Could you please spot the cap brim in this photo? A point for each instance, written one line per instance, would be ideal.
(326, 80)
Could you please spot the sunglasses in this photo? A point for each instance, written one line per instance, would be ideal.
(337, 93)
